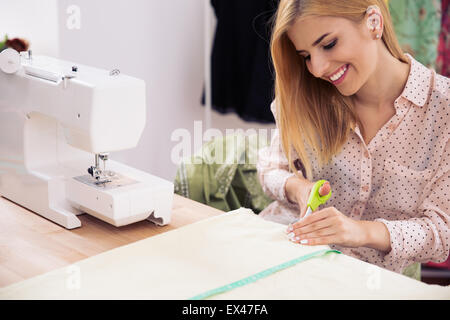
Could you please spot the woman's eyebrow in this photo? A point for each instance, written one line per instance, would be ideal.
(316, 42)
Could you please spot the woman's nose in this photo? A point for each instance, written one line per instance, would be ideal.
(318, 66)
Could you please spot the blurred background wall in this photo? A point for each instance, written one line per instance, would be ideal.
(161, 42)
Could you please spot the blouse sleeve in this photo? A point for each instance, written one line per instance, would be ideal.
(426, 238)
(273, 167)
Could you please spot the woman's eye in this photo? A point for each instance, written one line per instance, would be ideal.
(331, 45)
(327, 47)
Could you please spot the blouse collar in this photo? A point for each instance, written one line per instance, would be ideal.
(418, 85)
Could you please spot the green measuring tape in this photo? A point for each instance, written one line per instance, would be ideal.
(261, 274)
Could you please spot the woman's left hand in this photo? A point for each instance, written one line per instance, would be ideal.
(328, 226)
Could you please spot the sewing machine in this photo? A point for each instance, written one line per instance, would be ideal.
(59, 121)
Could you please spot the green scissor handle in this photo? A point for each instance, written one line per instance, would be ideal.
(315, 199)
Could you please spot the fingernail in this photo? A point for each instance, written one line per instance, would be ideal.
(291, 235)
(289, 229)
(297, 238)
(304, 241)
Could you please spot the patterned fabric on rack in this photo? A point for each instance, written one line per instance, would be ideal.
(417, 24)
(443, 60)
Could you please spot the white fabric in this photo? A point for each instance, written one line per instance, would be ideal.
(191, 260)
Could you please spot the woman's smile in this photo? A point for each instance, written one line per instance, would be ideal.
(339, 76)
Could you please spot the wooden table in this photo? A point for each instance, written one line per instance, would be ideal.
(31, 245)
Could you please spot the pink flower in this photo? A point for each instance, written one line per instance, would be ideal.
(18, 44)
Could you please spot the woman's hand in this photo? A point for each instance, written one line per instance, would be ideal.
(328, 226)
(298, 191)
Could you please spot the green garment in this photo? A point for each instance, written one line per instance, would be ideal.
(225, 180)
(417, 25)
(413, 271)
(3, 43)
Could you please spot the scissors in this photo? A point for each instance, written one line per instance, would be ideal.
(315, 199)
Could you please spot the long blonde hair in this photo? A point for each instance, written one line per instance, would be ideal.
(311, 110)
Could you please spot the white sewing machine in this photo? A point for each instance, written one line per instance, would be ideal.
(58, 123)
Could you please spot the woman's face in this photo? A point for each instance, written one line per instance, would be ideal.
(336, 50)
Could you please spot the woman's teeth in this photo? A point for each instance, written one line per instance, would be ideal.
(338, 75)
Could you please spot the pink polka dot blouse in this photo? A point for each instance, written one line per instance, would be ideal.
(402, 178)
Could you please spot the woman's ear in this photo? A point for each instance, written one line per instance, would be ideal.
(374, 21)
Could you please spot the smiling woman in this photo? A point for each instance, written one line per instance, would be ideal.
(352, 109)
(315, 46)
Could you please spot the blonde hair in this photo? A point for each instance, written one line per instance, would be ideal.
(310, 110)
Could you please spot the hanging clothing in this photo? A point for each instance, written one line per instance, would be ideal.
(223, 174)
(242, 76)
(443, 60)
(3, 44)
(417, 24)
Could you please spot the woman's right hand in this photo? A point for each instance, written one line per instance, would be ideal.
(298, 190)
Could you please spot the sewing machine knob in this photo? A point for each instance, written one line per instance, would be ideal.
(10, 61)
(74, 69)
